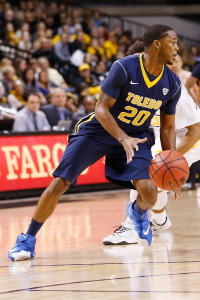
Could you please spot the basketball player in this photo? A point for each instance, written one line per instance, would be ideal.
(187, 122)
(136, 87)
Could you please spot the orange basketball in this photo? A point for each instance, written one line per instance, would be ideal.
(169, 170)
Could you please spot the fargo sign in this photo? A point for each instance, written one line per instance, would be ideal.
(27, 162)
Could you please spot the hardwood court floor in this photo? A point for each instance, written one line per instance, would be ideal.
(72, 262)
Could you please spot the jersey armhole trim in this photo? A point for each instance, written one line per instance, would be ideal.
(123, 69)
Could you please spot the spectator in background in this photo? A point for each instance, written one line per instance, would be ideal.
(177, 69)
(16, 97)
(96, 19)
(30, 118)
(9, 77)
(33, 63)
(103, 32)
(37, 40)
(111, 46)
(96, 49)
(137, 46)
(70, 22)
(24, 28)
(30, 19)
(44, 85)
(14, 39)
(85, 76)
(25, 42)
(57, 110)
(193, 55)
(20, 66)
(62, 49)
(50, 22)
(9, 17)
(63, 29)
(53, 75)
(87, 106)
(4, 62)
(41, 27)
(28, 78)
(46, 49)
(194, 52)
(80, 41)
(72, 102)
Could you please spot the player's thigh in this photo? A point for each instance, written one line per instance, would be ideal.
(80, 153)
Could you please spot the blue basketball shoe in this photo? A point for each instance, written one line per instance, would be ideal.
(142, 226)
(24, 247)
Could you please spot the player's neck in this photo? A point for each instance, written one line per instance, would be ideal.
(152, 64)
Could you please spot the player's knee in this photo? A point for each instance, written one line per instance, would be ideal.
(58, 186)
(149, 194)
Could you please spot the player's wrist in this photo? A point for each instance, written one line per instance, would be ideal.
(122, 138)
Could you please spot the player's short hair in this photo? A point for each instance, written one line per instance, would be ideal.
(155, 32)
(137, 47)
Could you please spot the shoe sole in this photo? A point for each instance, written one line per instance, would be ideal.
(22, 255)
(119, 243)
(142, 242)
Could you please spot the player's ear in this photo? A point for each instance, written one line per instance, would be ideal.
(156, 44)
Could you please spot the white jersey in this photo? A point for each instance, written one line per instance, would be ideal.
(187, 114)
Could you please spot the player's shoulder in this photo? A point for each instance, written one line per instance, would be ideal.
(126, 64)
(132, 58)
(128, 60)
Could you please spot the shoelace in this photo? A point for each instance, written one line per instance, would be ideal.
(120, 229)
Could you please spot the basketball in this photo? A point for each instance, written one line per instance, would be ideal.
(169, 170)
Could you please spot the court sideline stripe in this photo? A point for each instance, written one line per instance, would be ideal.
(95, 280)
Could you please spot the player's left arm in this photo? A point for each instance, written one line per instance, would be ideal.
(192, 136)
(167, 131)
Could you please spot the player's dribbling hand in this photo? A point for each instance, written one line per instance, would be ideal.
(130, 144)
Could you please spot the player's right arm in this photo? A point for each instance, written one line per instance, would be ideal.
(103, 115)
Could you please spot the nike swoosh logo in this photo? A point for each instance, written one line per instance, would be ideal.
(147, 231)
(134, 82)
(12, 250)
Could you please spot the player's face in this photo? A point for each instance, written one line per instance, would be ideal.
(169, 47)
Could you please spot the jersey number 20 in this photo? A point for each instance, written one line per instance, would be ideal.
(139, 118)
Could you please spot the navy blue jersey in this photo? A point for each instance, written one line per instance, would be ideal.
(138, 96)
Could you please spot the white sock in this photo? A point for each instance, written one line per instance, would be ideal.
(160, 218)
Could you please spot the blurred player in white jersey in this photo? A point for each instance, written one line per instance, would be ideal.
(187, 121)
